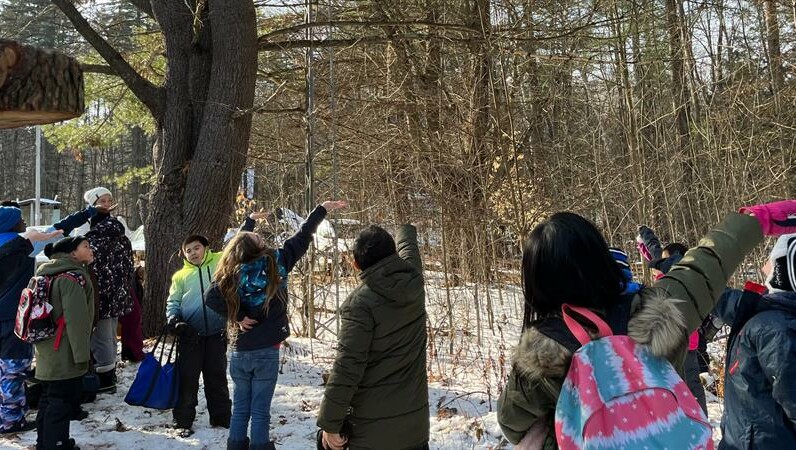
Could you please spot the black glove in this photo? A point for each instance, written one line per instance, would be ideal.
(171, 323)
(183, 330)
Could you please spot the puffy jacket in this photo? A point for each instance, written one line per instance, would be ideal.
(685, 296)
(18, 267)
(187, 292)
(186, 296)
(76, 305)
(378, 384)
(113, 265)
(759, 390)
(17, 258)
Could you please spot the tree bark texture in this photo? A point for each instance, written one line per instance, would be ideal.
(38, 86)
(201, 143)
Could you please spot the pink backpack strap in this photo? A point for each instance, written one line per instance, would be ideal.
(577, 329)
(59, 332)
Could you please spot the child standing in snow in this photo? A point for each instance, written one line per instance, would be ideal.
(202, 347)
(566, 260)
(250, 290)
(61, 364)
(378, 389)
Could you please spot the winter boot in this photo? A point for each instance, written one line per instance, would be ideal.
(238, 445)
(107, 382)
(268, 446)
(222, 422)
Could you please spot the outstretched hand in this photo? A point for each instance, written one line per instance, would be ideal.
(34, 235)
(259, 215)
(775, 218)
(331, 205)
(104, 210)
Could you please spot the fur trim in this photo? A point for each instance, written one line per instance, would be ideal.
(659, 325)
(539, 357)
(656, 323)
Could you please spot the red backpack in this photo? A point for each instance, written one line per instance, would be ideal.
(34, 322)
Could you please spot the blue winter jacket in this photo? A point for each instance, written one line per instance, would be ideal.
(760, 377)
(18, 262)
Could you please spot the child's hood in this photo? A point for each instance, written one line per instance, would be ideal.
(656, 322)
(60, 263)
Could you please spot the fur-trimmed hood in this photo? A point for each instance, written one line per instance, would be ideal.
(655, 321)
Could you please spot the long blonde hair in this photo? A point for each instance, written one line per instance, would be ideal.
(243, 248)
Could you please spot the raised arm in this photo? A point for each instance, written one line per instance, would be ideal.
(701, 276)
(295, 247)
(75, 220)
(406, 242)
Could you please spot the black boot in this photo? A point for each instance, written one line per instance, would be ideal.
(222, 422)
(238, 445)
(107, 382)
(268, 446)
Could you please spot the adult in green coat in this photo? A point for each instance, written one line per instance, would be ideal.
(62, 360)
(377, 394)
(561, 262)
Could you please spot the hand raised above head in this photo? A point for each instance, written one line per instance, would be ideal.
(331, 205)
(259, 215)
(775, 218)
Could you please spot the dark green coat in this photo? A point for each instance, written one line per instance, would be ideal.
(378, 383)
(662, 317)
(76, 304)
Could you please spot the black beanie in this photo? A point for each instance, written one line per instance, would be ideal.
(65, 245)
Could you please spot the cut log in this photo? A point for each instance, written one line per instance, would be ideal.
(38, 86)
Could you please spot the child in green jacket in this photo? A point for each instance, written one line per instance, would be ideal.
(61, 361)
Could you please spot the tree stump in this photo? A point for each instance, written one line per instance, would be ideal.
(38, 86)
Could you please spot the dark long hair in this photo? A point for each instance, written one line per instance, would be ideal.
(566, 260)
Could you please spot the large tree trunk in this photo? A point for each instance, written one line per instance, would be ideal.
(37, 86)
(202, 139)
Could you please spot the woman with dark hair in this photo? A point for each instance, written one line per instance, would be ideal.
(566, 260)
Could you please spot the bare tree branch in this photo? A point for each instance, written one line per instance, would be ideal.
(145, 6)
(359, 23)
(98, 68)
(149, 94)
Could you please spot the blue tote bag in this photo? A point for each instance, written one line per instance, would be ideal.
(156, 384)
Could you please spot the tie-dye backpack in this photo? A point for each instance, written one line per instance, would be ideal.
(617, 395)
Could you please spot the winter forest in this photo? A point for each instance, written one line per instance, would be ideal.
(472, 119)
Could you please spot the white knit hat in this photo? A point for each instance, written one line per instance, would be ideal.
(92, 195)
(783, 261)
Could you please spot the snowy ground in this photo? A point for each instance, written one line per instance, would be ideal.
(463, 384)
